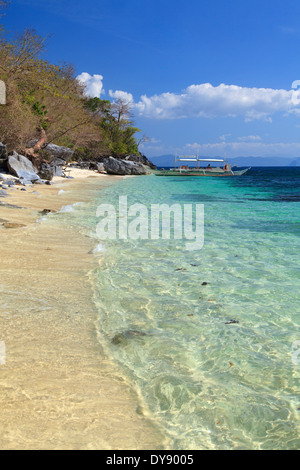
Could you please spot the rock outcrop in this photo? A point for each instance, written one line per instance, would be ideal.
(3, 151)
(59, 164)
(22, 168)
(56, 151)
(3, 157)
(46, 171)
(124, 167)
(55, 168)
(141, 159)
(100, 167)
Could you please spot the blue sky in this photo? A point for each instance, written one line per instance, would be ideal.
(206, 76)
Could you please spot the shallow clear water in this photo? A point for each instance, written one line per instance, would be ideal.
(210, 385)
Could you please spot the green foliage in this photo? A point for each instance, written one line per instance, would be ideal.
(43, 97)
(38, 109)
(98, 107)
(83, 153)
(118, 133)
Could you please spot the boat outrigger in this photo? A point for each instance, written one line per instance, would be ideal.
(224, 168)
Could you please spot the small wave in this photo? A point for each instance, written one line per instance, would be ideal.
(65, 209)
(69, 208)
(99, 248)
(92, 235)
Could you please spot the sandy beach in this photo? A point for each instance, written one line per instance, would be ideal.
(58, 388)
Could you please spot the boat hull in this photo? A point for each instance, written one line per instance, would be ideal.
(200, 172)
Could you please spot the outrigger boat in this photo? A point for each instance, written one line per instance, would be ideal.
(222, 170)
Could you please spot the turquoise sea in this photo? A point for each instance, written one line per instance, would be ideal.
(209, 339)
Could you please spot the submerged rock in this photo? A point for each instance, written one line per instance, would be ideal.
(232, 322)
(13, 225)
(127, 335)
(134, 333)
(47, 211)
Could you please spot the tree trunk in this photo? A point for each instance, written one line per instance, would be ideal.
(33, 152)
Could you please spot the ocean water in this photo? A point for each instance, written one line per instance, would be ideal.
(209, 338)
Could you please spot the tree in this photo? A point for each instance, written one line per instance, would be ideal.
(22, 55)
(45, 101)
(121, 110)
(116, 124)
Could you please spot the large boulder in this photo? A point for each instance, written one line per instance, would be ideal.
(46, 171)
(58, 164)
(100, 167)
(3, 164)
(56, 151)
(63, 153)
(3, 151)
(55, 168)
(3, 157)
(20, 166)
(137, 168)
(141, 159)
(114, 166)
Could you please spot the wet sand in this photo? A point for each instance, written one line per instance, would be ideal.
(58, 390)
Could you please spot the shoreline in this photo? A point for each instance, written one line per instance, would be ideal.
(59, 389)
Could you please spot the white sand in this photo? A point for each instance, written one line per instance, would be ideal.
(58, 389)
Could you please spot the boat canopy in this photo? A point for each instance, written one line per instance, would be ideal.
(196, 159)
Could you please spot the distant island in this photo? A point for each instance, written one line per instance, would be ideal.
(168, 160)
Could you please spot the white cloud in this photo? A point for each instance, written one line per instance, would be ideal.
(208, 101)
(223, 137)
(205, 101)
(249, 138)
(93, 84)
(121, 95)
